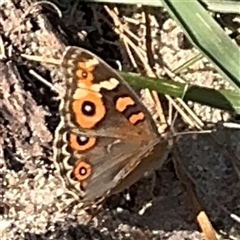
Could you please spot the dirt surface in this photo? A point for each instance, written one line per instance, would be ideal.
(35, 204)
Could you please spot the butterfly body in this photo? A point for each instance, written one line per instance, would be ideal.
(106, 139)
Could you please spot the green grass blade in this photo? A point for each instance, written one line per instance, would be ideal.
(208, 37)
(223, 6)
(222, 99)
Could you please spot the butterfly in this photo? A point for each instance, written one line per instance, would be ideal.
(106, 139)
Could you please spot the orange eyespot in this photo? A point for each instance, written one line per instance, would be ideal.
(89, 110)
(82, 171)
(81, 142)
(85, 73)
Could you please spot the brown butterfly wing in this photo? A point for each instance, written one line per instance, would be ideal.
(106, 138)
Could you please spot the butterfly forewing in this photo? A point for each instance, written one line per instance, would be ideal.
(106, 134)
